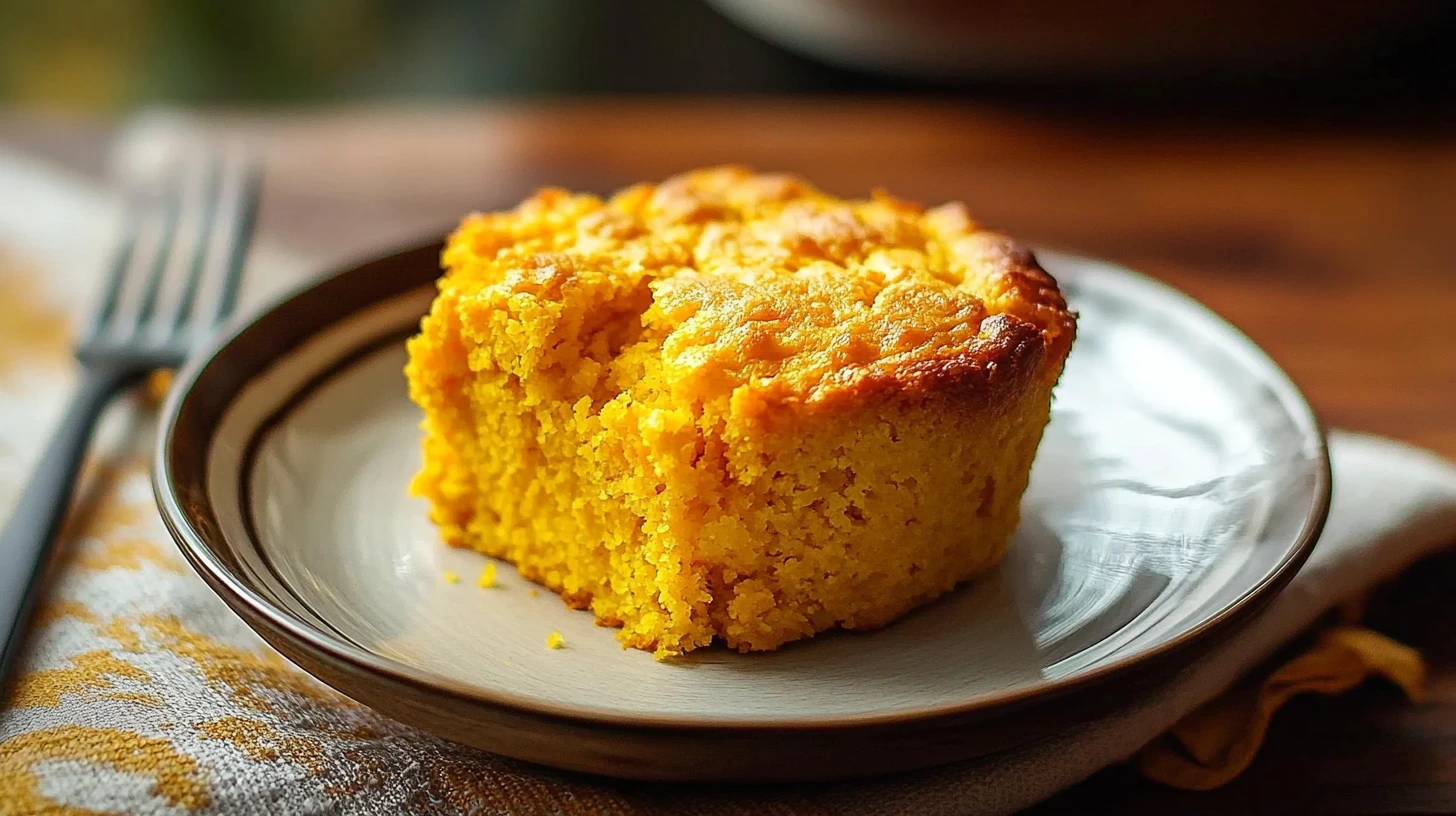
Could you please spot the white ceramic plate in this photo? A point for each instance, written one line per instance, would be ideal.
(1182, 480)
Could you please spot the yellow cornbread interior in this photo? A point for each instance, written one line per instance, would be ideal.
(717, 408)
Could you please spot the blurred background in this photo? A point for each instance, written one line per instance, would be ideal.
(1363, 61)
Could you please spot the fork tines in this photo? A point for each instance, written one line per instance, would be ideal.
(185, 227)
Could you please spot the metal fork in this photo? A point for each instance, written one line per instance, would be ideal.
(185, 231)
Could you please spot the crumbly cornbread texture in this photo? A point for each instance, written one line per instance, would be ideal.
(730, 406)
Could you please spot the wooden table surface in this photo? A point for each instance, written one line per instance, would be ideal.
(1335, 251)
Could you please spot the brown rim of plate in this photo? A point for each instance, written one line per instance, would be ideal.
(225, 367)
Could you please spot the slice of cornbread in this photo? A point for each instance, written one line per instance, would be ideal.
(730, 406)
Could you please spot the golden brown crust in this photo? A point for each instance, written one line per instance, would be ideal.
(767, 290)
(1031, 292)
(998, 369)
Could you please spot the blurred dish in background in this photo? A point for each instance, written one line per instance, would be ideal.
(1062, 39)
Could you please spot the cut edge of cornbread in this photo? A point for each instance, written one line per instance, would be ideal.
(606, 410)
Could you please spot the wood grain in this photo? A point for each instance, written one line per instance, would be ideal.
(1335, 250)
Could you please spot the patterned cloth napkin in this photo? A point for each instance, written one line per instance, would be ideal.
(142, 693)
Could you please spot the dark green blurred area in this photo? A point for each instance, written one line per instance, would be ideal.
(118, 54)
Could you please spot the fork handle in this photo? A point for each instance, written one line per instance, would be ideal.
(35, 523)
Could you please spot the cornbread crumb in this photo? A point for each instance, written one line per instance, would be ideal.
(533, 592)
(451, 578)
(555, 640)
(158, 383)
(487, 576)
(730, 407)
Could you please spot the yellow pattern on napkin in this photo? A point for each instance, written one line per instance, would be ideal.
(30, 331)
(1215, 743)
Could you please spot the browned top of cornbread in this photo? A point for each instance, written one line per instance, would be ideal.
(768, 289)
